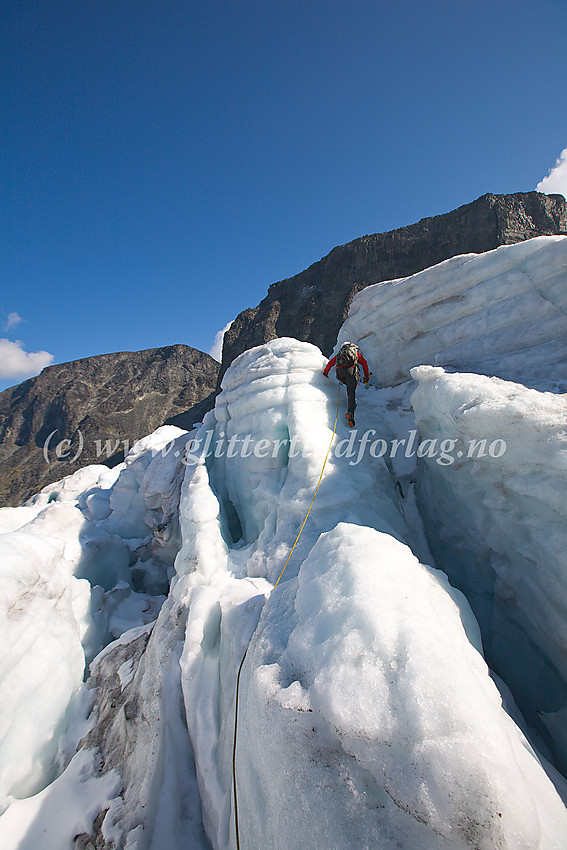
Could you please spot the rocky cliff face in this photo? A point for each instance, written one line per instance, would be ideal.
(92, 410)
(312, 305)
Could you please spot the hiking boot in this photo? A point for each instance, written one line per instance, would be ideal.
(350, 420)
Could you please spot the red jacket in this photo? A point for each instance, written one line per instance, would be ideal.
(361, 360)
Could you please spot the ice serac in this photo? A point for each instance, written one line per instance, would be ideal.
(494, 505)
(368, 717)
(72, 578)
(502, 313)
(376, 724)
(497, 521)
(44, 615)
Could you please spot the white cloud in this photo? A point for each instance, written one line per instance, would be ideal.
(556, 181)
(216, 348)
(12, 320)
(17, 363)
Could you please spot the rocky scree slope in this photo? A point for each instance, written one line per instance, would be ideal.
(312, 305)
(116, 397)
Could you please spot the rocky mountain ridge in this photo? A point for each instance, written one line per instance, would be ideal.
(92, 410)
(312, 305)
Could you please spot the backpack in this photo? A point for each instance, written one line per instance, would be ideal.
(347, 354)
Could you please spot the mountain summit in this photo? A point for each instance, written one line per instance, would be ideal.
(94, 410)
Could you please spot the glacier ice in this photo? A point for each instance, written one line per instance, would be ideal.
(502, 313)
(326, 619)
(376, 682)
(495, 523)
(368, 715)
(44, 615)
(65, 590)
(498, 526)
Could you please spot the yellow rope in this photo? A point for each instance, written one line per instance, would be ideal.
(316, 488)
(236, 829)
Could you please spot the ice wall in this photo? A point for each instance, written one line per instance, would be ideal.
(497, 523)
(44, 615)
(502, 313)
(376, 723)
(272, 393)
(72, 578)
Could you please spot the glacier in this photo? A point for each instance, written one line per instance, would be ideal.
(502, 313)
(404, 685)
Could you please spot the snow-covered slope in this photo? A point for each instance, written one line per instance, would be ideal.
(367, 714)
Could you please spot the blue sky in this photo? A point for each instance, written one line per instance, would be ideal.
(163, 161)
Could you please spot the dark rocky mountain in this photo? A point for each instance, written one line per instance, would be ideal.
(85, 403)
(312, 305)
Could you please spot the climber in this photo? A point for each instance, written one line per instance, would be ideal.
(346, 361)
